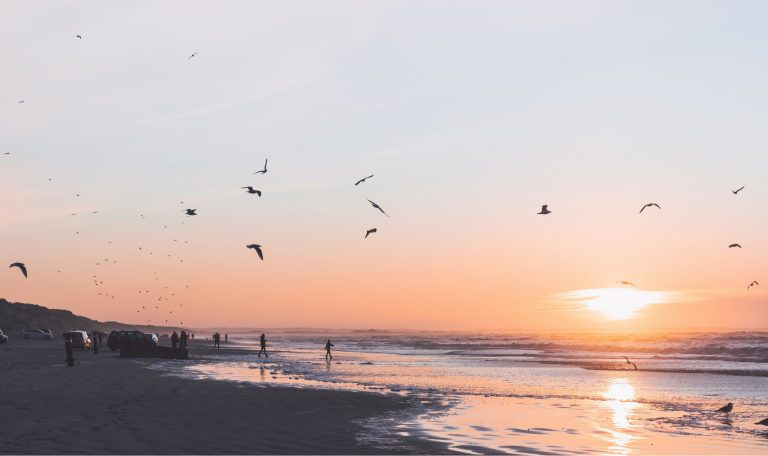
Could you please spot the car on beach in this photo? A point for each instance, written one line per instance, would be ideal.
(3, 337)
(80, 339)
(36, 334)
(117, 339)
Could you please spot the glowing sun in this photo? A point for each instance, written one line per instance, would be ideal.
(616, 303)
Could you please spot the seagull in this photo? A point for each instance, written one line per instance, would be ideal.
(624, 282)
(257, 248)
(20, 266)
(371, 231)
(736, 192)
(734, 245)
(544, 210)
(79, 37)
(191, 212)
(754, 282)
(378, 207)
(763, 422)
(363, 179)
(21, 101)
(193, 54)
(251, 190)
(263, 171)
(649, 205)
(630, 362)
(6, 153)
(726, 408)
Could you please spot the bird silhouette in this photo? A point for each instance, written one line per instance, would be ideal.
(193, 54)
(754, 282)
(21, 101)
(20, 266)
(257, 248)
(630, 362)
(544, 210)
(726, 408)
(79, 37)
(624, 282)
(263, 171)
(736, 192)
(734, 245)
(378, 207)
(191, 212)
(251, 190)
(763, 422)
(371, 231)
(363, 180)
(649, 205)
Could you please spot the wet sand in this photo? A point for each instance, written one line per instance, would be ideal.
(110, 405)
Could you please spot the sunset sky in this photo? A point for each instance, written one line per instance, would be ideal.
(471, 115)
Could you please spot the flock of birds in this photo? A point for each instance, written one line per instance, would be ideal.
(545, 211)
(165, 294)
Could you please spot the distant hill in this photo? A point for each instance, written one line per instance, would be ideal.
(15, 316)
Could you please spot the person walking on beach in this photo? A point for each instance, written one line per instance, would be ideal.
(226, 338)
(328, 355)
(99, 337)
(183, 340)
(216, 339)
(263, 340)
(95, 344)
(70, 354)
(174, 339)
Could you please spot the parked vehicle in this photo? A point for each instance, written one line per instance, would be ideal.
(80, 339)
(36, 334)
(3, 337)
(138, 339)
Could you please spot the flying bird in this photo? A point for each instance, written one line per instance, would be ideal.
(630, 362)
(257, 248)
(363, 179)
(371, 231)
(21, 267)
(649, 205)
(378, 207)
(734, 245)
(754, 282)
(263, 171)
(624, 282)
(21, 101)
(736, 192)
(251, 190)
(193, 54)
(726, 408)
(191, 212)
(763, 422)
(544, 210)
(79, 37)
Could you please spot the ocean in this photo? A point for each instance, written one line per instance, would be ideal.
(530, 393)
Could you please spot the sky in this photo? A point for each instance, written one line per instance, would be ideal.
(470, 115)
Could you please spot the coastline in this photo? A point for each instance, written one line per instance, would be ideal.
(110, 405)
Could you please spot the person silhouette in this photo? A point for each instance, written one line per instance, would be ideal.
(328, 346)
(174, 339)
(226, 338)
(70, 354)
(216, 338)
(263, 340)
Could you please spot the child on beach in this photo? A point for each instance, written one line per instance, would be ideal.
(263, 341)
(328, 346)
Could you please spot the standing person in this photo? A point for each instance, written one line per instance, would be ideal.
(95, 342)
(99, 335)
(174, 339)
(216, 338)
(70, 354)
(226, 338)
(183, 339)
(263, 340)
(328, 346)
(193, 336)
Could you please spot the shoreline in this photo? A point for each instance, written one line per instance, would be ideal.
(110, 405)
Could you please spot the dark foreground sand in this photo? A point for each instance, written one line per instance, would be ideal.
(110, 405)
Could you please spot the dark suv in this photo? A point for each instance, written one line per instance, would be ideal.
(137, 339)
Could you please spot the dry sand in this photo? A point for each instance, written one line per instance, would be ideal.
(110, 405)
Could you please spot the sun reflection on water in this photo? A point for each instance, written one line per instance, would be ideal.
(620, 397)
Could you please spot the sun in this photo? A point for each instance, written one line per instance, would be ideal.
(616, 303)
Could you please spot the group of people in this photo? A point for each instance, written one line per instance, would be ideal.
(180, 341)
(217, 340)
